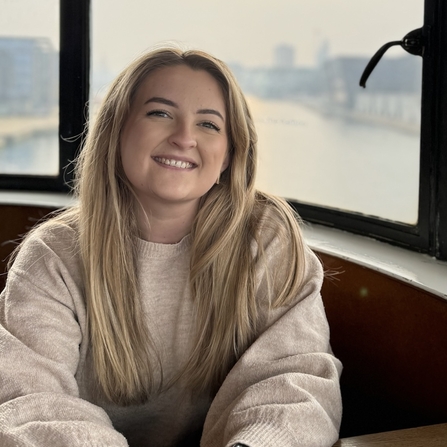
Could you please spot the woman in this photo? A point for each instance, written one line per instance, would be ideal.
(175, 305)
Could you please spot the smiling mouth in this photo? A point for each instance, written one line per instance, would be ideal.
(174, 163)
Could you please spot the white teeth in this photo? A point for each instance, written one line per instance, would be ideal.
(176, 163)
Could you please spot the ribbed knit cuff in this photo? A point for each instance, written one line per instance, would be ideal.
(262, 435)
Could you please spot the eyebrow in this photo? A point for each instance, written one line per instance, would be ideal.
(212, 112)
(161, 100)
(168, 102)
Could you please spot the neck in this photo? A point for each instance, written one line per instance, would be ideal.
(167, 224)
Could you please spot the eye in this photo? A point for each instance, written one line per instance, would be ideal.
(160, 113)
(210, 125)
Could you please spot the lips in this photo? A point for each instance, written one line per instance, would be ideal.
(175, 163)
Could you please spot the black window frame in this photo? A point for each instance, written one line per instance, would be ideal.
(429, 235)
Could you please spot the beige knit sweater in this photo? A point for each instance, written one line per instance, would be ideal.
(283, 391)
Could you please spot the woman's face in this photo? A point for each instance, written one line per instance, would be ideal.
(174, 144)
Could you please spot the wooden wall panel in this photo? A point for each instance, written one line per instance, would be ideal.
(15, 221)
(392, 339)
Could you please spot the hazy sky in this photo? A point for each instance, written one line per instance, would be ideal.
(244, 31)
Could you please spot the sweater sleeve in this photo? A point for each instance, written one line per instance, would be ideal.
(284, 390)
(42, 319)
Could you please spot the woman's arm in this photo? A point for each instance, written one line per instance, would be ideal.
(42, 327)
(284, 390)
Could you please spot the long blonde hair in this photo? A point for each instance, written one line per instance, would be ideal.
(222, 276)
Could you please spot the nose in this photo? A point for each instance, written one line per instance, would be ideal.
(183, 136)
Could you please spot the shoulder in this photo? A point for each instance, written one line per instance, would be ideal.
(54, 241)
(275, 218)
(280, 248)
(277, 227)
(46, 270)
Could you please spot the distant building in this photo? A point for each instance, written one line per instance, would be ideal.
(393, 90)
(323, 53)
(28, 76)
(284, 56)
(277, 83)
(392, 95)
(340, 77)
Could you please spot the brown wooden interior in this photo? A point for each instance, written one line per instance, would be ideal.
(15, 221)
(391, 337)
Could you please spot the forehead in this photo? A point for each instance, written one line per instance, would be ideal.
(182, 83)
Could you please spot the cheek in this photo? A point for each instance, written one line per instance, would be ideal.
(124, 154)
(130, 163)
(132, 149)
(221, 152)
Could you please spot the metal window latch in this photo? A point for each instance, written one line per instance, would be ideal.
(413, 43)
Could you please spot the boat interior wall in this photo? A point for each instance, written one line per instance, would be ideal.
(392, 339)
(15, 222)
(390, 335)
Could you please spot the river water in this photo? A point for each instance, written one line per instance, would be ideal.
(303, 155)
(329, 161)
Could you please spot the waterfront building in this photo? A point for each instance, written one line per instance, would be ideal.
(28, 76)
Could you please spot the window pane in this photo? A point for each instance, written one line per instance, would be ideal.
(322, 139)
(29, 83)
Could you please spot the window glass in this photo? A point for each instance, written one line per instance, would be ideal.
(29, 87)
(323, 139)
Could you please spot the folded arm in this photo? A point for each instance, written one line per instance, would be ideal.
(41, 333)
(284, 390)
